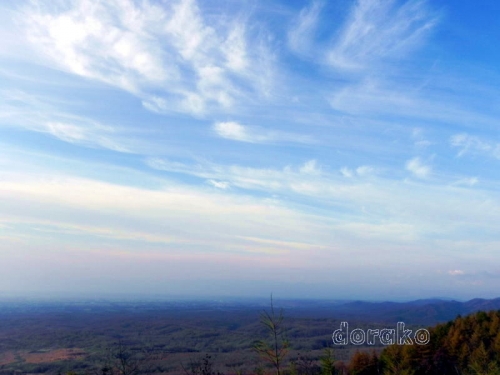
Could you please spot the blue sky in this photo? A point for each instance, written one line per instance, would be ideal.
(343, 149)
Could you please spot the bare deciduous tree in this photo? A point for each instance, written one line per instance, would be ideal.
(275, 351)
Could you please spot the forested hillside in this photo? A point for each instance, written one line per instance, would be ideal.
(466, 345)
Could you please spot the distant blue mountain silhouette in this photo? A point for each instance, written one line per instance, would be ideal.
(422, 312)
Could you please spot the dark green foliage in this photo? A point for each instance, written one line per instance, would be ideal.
(468, 345)
(327, 361)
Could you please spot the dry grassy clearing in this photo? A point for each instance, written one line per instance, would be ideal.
(42, 356)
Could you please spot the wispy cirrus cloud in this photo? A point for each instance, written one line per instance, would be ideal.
(252, 134)
(167, 55)
(34, 113)
(374, 32)
(372, 96)
(377, 30)
(301, 34)
(279, 180)
(469, 144)
(369, 196)
(374, 51)
(381, 97)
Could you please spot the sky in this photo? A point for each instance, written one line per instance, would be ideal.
(310, 149)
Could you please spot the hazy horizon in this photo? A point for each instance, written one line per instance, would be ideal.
(84, 297)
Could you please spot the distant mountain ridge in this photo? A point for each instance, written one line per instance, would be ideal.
(422, 312)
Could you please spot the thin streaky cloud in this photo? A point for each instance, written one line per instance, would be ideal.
(469, 144)
(219, 184)
(33, 113)
(244, 133)
(301, 34)
(380, 29)
(373, 196)
(386, 98)
(470, 181)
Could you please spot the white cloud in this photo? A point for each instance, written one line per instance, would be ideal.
(224, 221)
(379, 97)
(456, 272)
(374, 33)
(418, 168)
(474, 145)
(471, 181)
(238, 132)
(301, 35)
(219, 184)
(364, 170)
(233, 130)
(346, 172)
(361, 171)
(374, 97)
(354, 218)
(38, 114)
(66, 132)
(310, 167)
(235, 49)
(379, 29)
(224, 224)
(374, 45)
(427, 208)
(168, 54)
